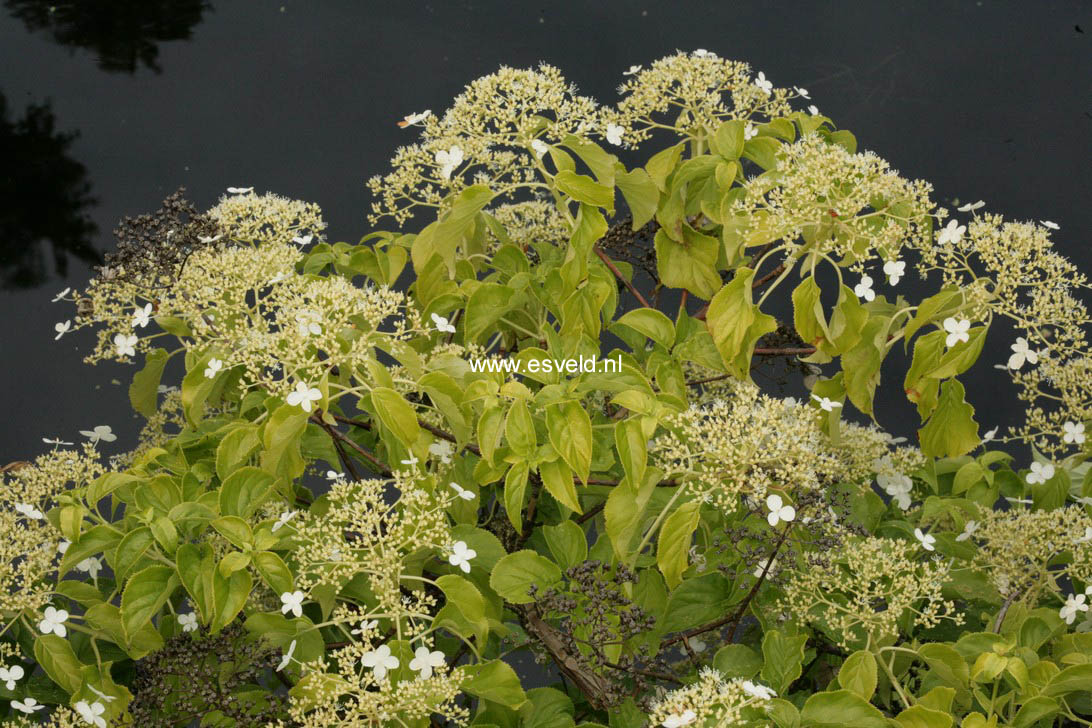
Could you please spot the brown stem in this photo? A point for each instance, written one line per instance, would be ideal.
(590, 513)
(618, 274)
(379, 466)
(769, 276)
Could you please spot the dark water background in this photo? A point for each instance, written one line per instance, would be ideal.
(108, 106)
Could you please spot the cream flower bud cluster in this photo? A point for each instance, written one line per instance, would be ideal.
(710, 700)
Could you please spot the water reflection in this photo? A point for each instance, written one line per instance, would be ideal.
(44, 196)
(124, 34)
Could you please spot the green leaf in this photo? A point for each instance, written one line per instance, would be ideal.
(273, 570)
(281, 440)
(515, 488)
(494, 681)
(557, 477)
(567, 542)
(951, 430)
(784, 659)
(729, 139)
(196, 388)
(663, 163)
(570, 432)
(584, 189)
(690, 265)
(736, 323)
(244, 492)
(92, 542)
(737, 661)
(465, 597)
(1037, 709)
(651, 323)
(640, 193)
(843, 709)
(858, 674)
(144, 594)
(165, 533)
(235, 530)
(236, 447)
(519, 429)
(629, 438)
(1075, 678)
(673, 545)
(229, 595)
(107, 618)
(762, 151)
(947, 664)
(144, 391)
(807, 311)
(58, 660)
(397, 415)
(547, 708)
(513, 574)
(488, 303)
(443, 237)
(698, 601)
(918, 716)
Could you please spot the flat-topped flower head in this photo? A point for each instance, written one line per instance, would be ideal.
(957, 331)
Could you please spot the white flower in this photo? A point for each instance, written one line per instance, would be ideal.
(802, 92)
(101, 432)
(424, 662)
(188, 622)
(92, 714)
(28, 705)
(124, 344)
(952, 233)
(302, 240)
(633, 70)
(1074, 604)
(292, 602)
(614, 134)
(755, 690)
(287, 656)
(971, 206)
(283, 519)
(778, 511)
(414, 119)
(334, 475)
(1040, 473)
(8, 675)
(1050, 224)
(449, 159)
(540, 147)
(61, 295)
(63, 545)
(215, 365)
(957, 331)
(894, 270)
(1086, 537)
(678, 720)
(697, 645)
(308, 323)
(763, 83)
(1021, 353)
(926, 540)
(29, 511)
(380, 660)
(53, 621)
(763, 565)
(750, 131)
(411, 462)
(142, 316)
(91, 565)
(55, 441)
(864, 289)
(461, 556)
(366, 626)
(1074, 432)
(206, 239)
(968, 531)
(813, 110)
(443, 450)
(62, 328)
(462, 492)
(702, 53)
(442, 324)
(239, 190)
(303, 396)
(826, 404)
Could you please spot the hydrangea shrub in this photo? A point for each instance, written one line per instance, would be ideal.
(371, 496)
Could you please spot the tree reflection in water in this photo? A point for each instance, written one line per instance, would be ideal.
(44, 196)
(124, 34)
